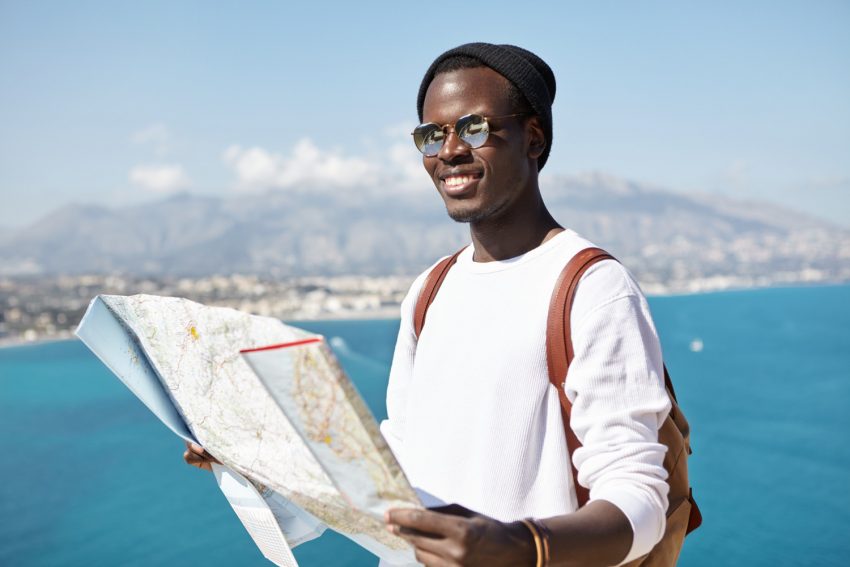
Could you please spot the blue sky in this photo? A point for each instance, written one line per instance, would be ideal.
(121, 102)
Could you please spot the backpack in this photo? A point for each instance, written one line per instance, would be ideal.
(683, 515)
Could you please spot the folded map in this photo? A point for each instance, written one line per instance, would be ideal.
(298, 447)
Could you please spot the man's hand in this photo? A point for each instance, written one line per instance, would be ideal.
(453, 535)
(196, 456)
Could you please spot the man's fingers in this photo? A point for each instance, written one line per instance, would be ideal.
(201, 452)
(196, 461)
(403, 531)
(454, 510)
(427, 542)
(430, 560)
(193, 457)
(425, 521)
(197, 456)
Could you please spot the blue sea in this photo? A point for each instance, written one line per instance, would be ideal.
(89, 477)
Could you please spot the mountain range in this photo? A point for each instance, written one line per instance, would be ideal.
(662, 236)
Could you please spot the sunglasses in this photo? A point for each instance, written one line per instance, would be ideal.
(472, 129)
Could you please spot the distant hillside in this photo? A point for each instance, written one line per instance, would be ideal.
(670, 238)
(662, 236)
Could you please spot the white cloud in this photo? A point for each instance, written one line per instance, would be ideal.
(159, 178)
(406, 163)
(254, 166)
(386, 163)
(157, 136)
(306, 166)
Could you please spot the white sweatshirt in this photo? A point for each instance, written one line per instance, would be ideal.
(474, 420)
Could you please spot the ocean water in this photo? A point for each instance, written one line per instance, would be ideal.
(89, 477)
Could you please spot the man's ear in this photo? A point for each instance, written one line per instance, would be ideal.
(536, 137)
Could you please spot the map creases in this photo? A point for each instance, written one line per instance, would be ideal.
(309, 447)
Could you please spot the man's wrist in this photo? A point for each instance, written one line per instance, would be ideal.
(523, 539)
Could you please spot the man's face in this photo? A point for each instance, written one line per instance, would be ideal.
(483, 183)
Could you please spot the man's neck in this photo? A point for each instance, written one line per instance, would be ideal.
(504, 238)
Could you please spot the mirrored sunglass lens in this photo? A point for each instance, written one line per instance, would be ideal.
(473, 130)
(428, 138)
(433, 143)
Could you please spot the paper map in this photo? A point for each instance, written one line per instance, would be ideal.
(325, 464)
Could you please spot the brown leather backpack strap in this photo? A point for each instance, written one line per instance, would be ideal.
(669, 385)
(559, 347)
(695, 519)
(430, 288)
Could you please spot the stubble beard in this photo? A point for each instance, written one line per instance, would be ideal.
(465, 216)
(472, 216)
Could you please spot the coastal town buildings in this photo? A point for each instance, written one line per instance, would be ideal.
(50, 307)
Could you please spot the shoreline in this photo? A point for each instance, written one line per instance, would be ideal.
(68, 335)
(392, 313)
(739, 289)
(15, 342)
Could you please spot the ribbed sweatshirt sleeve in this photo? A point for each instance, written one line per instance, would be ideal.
(616, 385)
(401, 370)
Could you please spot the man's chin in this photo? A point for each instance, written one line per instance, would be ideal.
(463, 216)
(471, 215)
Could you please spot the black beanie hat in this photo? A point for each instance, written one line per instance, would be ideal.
(528, 72)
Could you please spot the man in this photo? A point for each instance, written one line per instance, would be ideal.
(472, 415)
(473, 418)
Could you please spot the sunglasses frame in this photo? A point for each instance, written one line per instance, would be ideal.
(448, 129)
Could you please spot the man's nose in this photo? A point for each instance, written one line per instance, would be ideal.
(453, 148)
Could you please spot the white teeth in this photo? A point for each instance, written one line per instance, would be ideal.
(456, 180)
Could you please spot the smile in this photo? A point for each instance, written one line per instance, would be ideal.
(459, 183)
